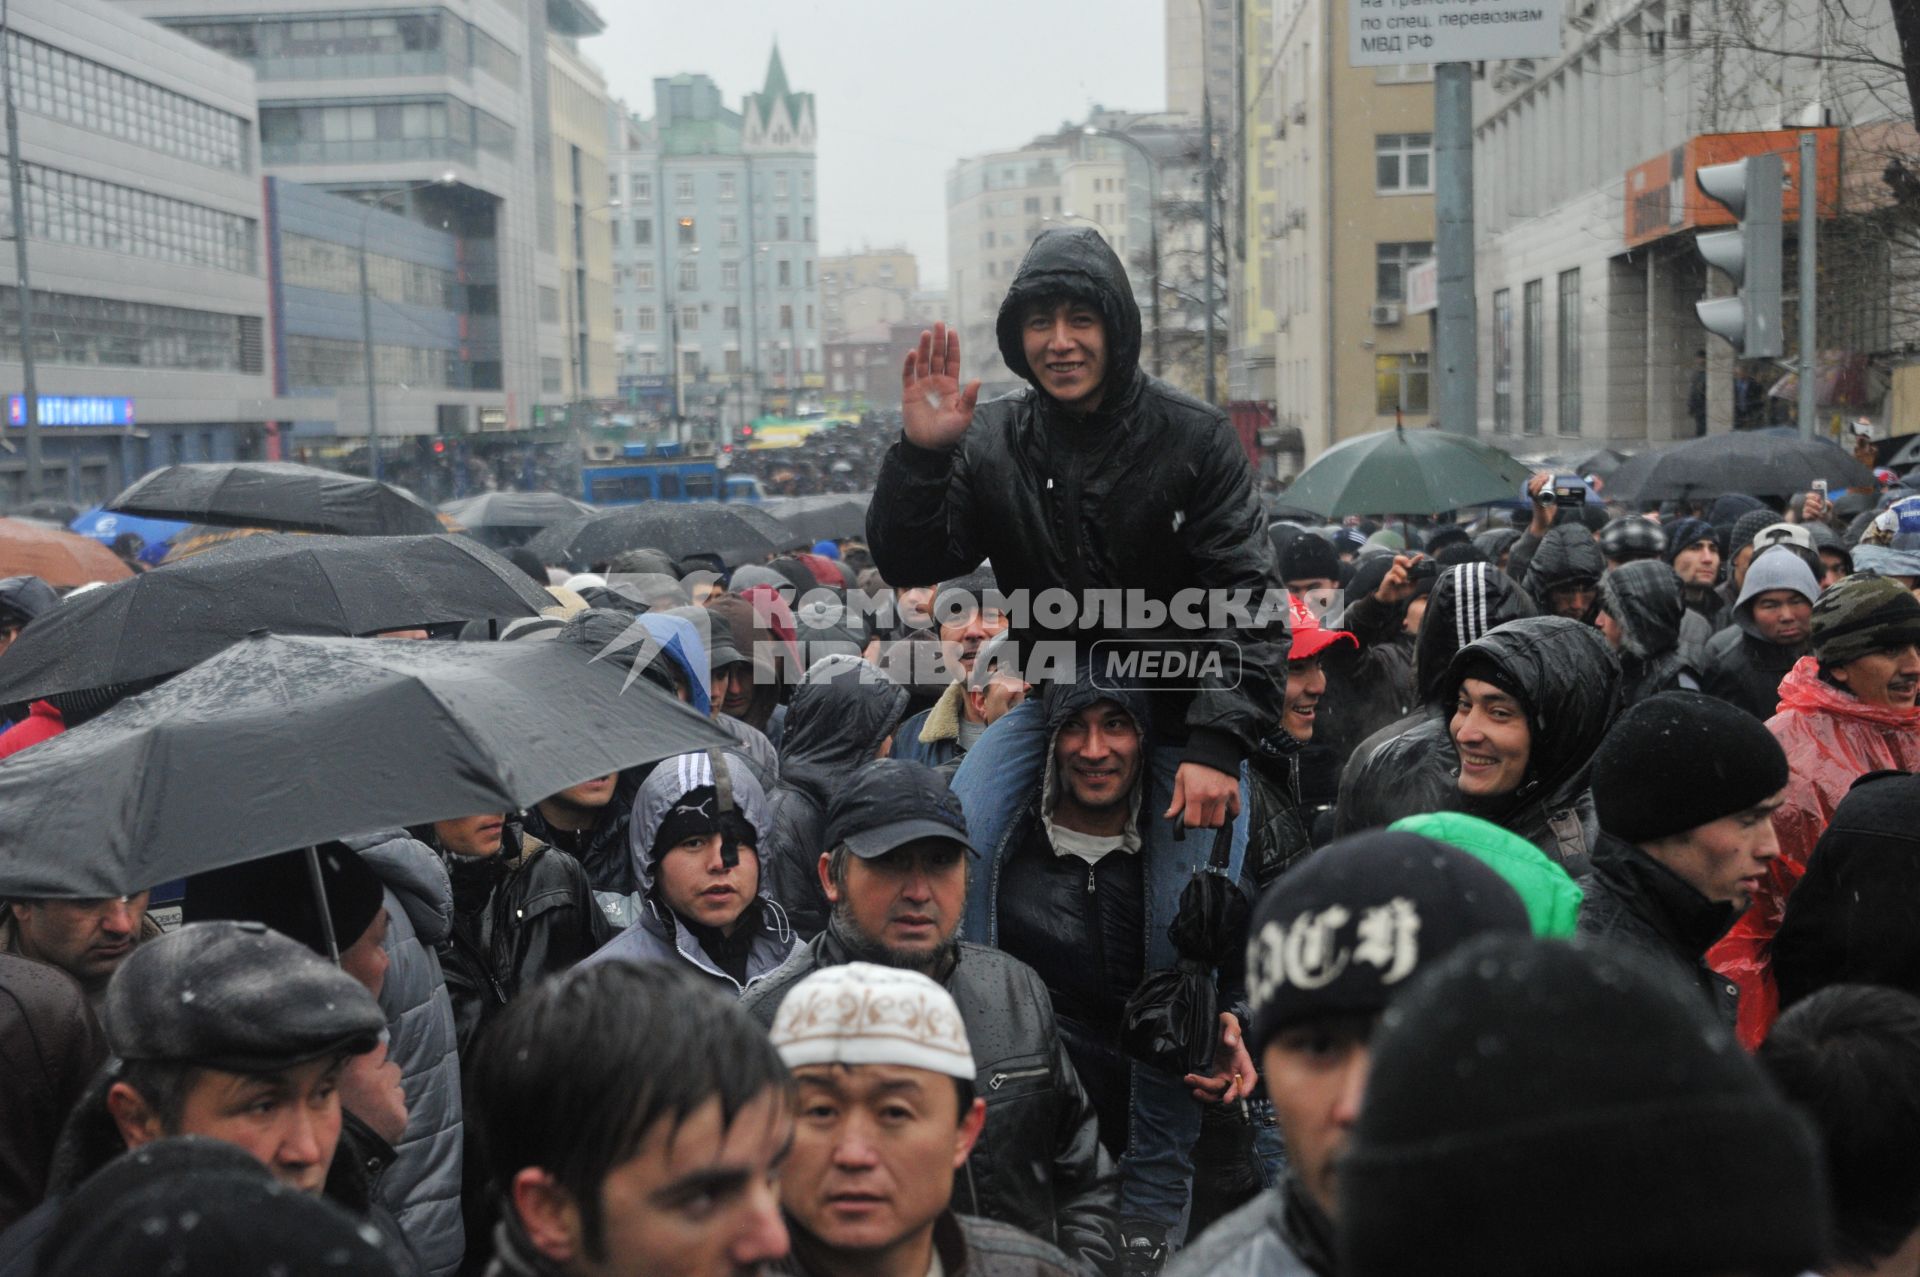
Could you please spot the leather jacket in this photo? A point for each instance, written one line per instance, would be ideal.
(1038, 1164)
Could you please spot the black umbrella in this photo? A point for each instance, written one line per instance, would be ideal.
(1764, 463)
(1603, 464)
(512, 518)
(278, 495)
(681, 529)
(163, 621)
(783, 536)
(823, 518)
(279, 743)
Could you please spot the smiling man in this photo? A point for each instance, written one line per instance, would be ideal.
(885, 1114)
(1096, 477)
(1685, 787)
(1306, 670)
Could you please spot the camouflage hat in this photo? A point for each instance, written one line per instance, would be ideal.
(239, 997)
(1862, 615)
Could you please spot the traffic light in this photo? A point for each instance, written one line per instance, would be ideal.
(439, 446)
(1750, 254)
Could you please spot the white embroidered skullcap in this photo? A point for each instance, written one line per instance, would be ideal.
(861, 1013)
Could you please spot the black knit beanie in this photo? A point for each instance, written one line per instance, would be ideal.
(696, 815)
(1309, 557)
(1342, 932)
(1680, 760)
(1542, 1106)
(278, 891)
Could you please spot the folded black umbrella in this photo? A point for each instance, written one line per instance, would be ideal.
(682, 529)
(163, 621)
(278, 743)
(278, 495)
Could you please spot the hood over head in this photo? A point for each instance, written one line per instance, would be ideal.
(675, 778)
(841, 712)
(1074, 264)
(677, 640)
(1570, 683)
(1497, 541)
(1567, 554)
(1467, 601)
(1644, 597)
(1776, 569)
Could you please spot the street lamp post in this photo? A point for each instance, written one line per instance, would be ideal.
(1153, 226)
(366, 314)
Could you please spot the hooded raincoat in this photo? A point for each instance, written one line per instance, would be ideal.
(1410, 768)
(1832, 738)
(842, 712)
(655, 933)
(1568, 554)
(1644, 598)
(1570, 685)
(1150, 493)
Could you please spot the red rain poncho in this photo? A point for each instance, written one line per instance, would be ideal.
(1831, 739)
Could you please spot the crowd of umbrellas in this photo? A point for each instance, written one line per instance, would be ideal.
(257, 712)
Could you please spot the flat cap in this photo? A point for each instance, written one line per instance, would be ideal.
(239, 997)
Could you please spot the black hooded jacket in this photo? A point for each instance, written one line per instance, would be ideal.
(1151, 492)
(1410, 767)
(1644, 598)
(1567, 554)
(840, 714)
(1570, 684)
(1635, 901)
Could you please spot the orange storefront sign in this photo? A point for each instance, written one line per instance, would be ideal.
(1662, 198)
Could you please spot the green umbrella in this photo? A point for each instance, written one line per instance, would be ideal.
(1401, 471)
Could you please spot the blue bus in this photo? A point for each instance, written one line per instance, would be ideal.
(664, 476)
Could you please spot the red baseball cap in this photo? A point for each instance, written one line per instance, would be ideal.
(1310, 638)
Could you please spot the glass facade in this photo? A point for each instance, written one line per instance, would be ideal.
(84, 93)
(328, 361)
(108, 332)
(306, 262)
(441, 128)
(1569, 339)
(346, 46)
(66, 208)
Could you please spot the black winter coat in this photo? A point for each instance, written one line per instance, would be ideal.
(1369, 688)
(1635, 901)
(1038, 1164)
(518, 916)
(1152, 492)
(1744, 669)
(1277, 833)
(1644, 597)
(601, 850)
(1567, 554)
(838, 718)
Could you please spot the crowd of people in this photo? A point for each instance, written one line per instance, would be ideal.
(1477, 899)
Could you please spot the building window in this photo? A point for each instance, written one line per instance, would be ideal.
(729, 230)
(729, 274)
(809, 319)
(91, 95)
(690, 364)
(614, 226)
(779, 186)
(689, 276)
(689, 235)
(642, 232)
(643, 275)
(781, 226)
(806, 228)
(613, 187)
(783, 274)
(102, 331)
(645, 320)
(726, 186)
(549, 304)
(1503, 361)
(809, 274)
(643, 188)
(806, 184)
(733, 363)
(683, 188)
(1390, 271)
(1403, 162)
(619, 320)
(89, 213)
(1400, 384)
(689, 313)
(1568, 338)
(730, 319)
(549, 375)
(1533, 321)
(328, 361)
(786, 316)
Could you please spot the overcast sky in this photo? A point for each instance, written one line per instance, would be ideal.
(901, 90)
